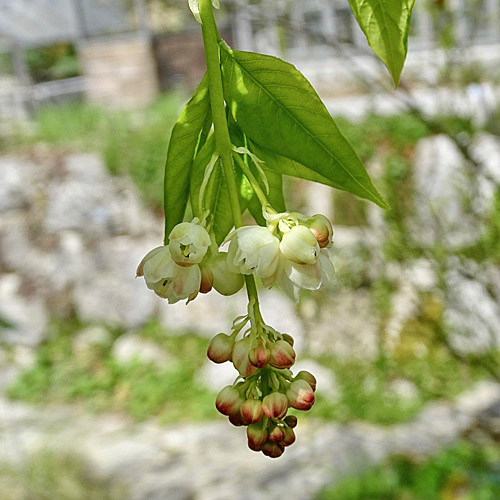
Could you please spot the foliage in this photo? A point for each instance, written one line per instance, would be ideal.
(463, 471)
(53, 62)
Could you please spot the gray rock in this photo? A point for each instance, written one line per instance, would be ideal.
(404, 389)
(26, 318)
(14, 186)
(216, 376)
(131, 346)
(327, 384)
(85, 339)
(109, 291)
(441, 194)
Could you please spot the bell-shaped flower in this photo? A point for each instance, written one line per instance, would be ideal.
(254, 250)
(188, 243)
(299, 245)
(167, 279)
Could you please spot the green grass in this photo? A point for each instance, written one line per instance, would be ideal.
(97, 380)
(51, 476)
(463, 472)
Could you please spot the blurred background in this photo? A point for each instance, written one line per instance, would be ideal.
(105, 390)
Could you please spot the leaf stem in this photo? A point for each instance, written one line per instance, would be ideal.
(223, 145)
(253, 181)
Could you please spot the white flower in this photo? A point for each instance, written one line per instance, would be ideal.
(254, 250)
(300, 246)
(167, 279)
(188, 243)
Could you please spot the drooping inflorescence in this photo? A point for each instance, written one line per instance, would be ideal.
(292, 250)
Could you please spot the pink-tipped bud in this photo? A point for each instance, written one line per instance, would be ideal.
(291, 421)
(272, 450)
(300, 395)
(275, 405)
(251, 411)
(277, 434)
(240, 357)
(282, 355)
(220, 348)
(237, 420)
(229, 401)
(289, 437)
(322, 229)
(207, 279)
(308, 377)
(257, 436)
(259, 356)
(288, 338)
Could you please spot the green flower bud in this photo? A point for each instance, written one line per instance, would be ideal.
(257, 436)
(251, 411)
(300, 395)
(289, 437)
(237, 420)
(288, 338)
(308, 377)
(275, 405)
(229, 401)
(277, 434)
(282, 355)
(220, 348)
(291, 421)
(300, 246)
(225, 281)
(240, 357)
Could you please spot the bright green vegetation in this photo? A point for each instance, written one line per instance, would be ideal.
(96, 379)
(52, 476)
(464, 472)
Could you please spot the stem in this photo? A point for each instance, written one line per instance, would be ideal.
(253, 181)
(223, 145)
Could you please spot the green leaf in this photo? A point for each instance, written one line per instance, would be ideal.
(184, 142)
(277, 108)
(386, 24)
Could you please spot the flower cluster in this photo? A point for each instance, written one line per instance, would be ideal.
(265, 388)
(292, 251)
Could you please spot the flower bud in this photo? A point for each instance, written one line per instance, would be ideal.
(257, 436)
(272, 450)
(282, 354)
(251, 411)
(229, 401)
(188, 243)
(220, 348)
(225, 281)
(275, 405)
(289, 437)
(308, 377)
(259, 356)
(291, 421)
(300, 246)
(240, 357)
(207, 279)
(322, 229)
(288, 338)
(300, 395)
(237, 420)
(277, 434)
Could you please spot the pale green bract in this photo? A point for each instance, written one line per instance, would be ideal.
(195, 8)
(386, 24)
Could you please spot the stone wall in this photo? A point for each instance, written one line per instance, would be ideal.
(121, 72)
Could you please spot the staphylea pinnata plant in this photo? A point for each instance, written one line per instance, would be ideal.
(253, 119)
